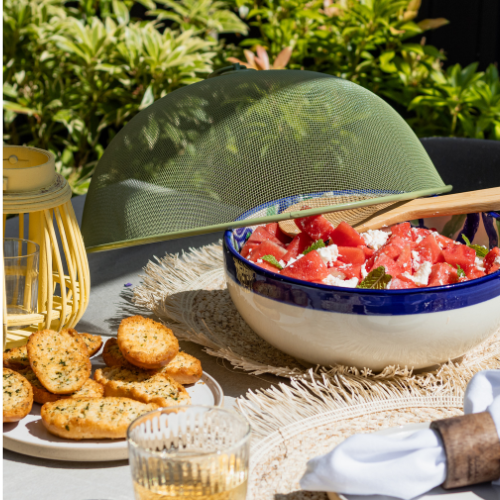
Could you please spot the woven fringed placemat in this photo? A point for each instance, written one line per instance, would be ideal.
(278, 462)
(188, 292)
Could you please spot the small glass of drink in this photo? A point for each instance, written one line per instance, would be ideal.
(21, 261)
(188, 453)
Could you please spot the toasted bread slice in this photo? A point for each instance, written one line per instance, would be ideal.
(112, 355)
(17, 396)
(95, 418)
(93, 342)
(142, 386)
(16, 358)
(60, 360)
(90, 389)
(184, 368)
(146, 343)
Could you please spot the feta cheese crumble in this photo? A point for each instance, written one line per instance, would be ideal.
(375, 238)
(479, 263)
(329, 254)
(421, 277)
(497, 260)
(294, 259)
(415, 259)
(333, 281)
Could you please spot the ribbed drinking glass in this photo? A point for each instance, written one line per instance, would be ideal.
(188, 453)
(21, 261)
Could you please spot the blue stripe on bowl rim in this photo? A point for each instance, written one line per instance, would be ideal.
(361, 301)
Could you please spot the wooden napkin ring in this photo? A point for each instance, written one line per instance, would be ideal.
(472, 448)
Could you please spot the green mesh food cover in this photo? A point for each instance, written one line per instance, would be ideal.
(201, 157)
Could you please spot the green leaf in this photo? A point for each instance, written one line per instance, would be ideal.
(481, 251)
(461, 272)
(315, 246)
(273, 261)
(376, 279)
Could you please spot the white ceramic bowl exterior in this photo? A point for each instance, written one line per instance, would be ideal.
(328, 337)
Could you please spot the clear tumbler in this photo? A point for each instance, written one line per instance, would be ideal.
(21, 261)
(188, 453)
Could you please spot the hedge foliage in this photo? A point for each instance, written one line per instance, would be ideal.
(76, 71)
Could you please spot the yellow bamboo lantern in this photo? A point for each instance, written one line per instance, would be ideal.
(32, 186)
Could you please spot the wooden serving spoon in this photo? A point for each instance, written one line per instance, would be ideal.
(485, 200)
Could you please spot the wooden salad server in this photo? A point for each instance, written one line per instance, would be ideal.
(485, 200)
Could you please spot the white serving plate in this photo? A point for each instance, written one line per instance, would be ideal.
(29, 436)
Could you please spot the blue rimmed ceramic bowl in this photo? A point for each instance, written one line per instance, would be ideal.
(329, 325)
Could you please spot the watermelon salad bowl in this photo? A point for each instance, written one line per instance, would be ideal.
(417, 294)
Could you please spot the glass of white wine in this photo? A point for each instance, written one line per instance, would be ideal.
(189, 453)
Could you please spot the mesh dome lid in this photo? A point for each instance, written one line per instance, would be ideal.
(202, 157)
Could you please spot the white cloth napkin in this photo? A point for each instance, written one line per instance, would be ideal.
(370, 464)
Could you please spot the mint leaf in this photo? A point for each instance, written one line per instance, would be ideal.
(480, 250)
(376, 279)
(460, 272)
(315, 246)
(273, 261)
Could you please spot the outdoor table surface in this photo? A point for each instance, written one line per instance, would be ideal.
(29, 478)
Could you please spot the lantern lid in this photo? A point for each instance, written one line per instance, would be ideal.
(27, 169)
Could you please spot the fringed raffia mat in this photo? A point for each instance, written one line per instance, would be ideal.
(189, 293)
(278, 462)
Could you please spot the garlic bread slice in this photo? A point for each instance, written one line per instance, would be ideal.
(59, 359)
(90, 389)
(95, 418)
(146, 343)
(184, 368)
(93, 342)
(142, 386)
(17, 396)
(16, 358)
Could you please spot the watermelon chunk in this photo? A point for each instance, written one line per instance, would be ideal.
(393, 247)
(404, 259)
(489, 261)
(391, 267)
(474, 273)
(297, 246)
(403, 230)
(262, 234)
(460, 255)
(368, 252)
(316, 226)
(267, 248)
(443, 241)
(248, 248)
(402, 282)
(417, 232)
(350, 270)
(442, 274)
(351, 255)
(429, 250)
(274, 230)
(346, 236)
(309, 268)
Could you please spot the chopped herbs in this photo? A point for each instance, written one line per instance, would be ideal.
(314, 246)
(376, 279)
(273, 261)
(461, 272)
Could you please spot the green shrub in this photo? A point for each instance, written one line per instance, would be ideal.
(73, 78)
(76, 72)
